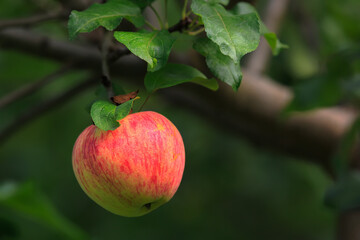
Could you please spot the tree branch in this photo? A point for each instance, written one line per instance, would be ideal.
(28, 89)
(253, 112)
(50, 104)
(33, 19)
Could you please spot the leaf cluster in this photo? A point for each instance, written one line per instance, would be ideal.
(230, 34)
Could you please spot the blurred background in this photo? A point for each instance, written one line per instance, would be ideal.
(233, 188)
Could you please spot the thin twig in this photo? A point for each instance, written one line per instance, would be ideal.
(33, 19)
(146, 99)
(43, 107)
(196, 32)
(30, 88)
(105, 78)
(157, 16)
(182, 25)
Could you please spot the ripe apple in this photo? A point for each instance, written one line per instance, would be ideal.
(134, 169)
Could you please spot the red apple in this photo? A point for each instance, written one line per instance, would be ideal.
(134, 169)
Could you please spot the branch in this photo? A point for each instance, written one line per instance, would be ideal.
(38, 110)
(253, 112)
(33, 19)
(28, 89)
(181, 25)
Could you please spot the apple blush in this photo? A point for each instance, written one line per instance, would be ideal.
(133, 169)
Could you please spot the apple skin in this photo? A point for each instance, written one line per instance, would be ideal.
(134, 169)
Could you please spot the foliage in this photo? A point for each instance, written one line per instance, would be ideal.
(27, 200)
(230, 35)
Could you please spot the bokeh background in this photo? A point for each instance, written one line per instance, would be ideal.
(231, 189)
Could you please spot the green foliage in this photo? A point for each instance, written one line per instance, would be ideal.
(105, 115)
(28, 200)
(313, 93)
(153, 47)
(8, 229)
(223, 2)
(236, 35)
(344, 194)
(340, 161)
(245, 8)
(274, 43)
(174, 74)
(232, 33)
(108, 15)
(222, 66)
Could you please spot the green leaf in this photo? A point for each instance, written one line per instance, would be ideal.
(105, 115)
(236, 35)
(222, 66)
(8, 229)
(243, 8)
(28, 200)
(124, 109)
(340, 161)
(174, 74)
(345, 193)
(153, 47)
(223, 2)
(316, 92)
(274, 43)
(108, 15)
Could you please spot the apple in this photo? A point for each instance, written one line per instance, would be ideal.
(133, 169)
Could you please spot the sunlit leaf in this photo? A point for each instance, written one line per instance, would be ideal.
(236, 35)
(153, 47)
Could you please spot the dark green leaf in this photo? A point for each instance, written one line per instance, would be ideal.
(27, 200)
(124, 109)
(345, 194)
(340, 161)
(103, 115)
(108, 15)
(223, 67)
(274, 43)
(8, 229)
(236, 35)
(174, 74)
(153, 47)
(313, 93)
(223, 2)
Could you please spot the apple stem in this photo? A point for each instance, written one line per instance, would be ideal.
(146, 99)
